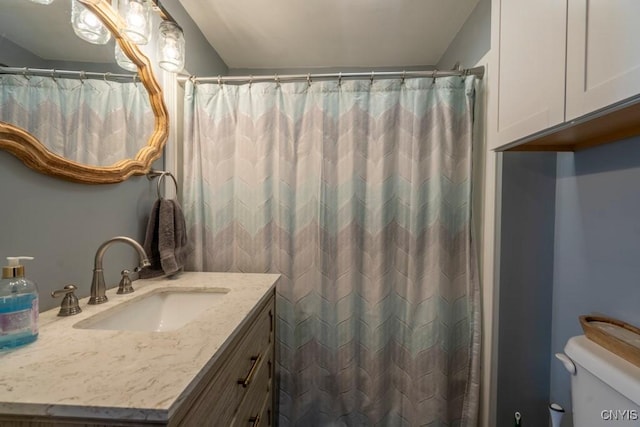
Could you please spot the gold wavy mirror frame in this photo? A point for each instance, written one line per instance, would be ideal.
(35, 155)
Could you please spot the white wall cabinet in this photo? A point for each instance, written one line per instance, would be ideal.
(561, 60)
(531, 65)
(603, 54)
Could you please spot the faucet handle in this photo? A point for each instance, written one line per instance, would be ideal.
(69, 305)
(125, 286)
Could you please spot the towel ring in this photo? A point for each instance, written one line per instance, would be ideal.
(162, 174)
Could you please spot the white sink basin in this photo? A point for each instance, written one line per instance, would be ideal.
(160, 310)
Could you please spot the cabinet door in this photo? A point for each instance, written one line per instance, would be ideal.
(532, 41)
(603, 54)
(246, 365)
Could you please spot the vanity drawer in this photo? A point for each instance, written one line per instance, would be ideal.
(267, 415)
(250, 411)
(249, 364)
(261, 416)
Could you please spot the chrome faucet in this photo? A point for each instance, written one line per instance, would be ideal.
(98, 287)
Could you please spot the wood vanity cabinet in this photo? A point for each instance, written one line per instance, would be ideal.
(236, 391)
(240, 392)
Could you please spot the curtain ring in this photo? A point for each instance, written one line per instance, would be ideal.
(83, 76)
(25, 73)
(277, 79)
(250, 80)
(53, 74)
(105, 78)
(404, 75)
(340, 79)
(433, 76)
(193, 80)
(219, 81)
(373, 73)
(308, 79)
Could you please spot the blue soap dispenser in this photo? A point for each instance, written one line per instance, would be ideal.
(18, 306)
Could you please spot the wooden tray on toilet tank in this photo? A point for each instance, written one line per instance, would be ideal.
(615, 335)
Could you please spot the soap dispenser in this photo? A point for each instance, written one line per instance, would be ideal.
(18, 306)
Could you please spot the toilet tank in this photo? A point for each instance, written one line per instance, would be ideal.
(605, 390)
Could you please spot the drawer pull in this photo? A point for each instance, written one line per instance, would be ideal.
(255, 361)
(255, 420)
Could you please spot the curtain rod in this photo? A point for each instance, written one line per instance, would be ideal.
(27, 71)
(477, 71)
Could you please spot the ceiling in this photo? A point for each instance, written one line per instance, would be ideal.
(45, 30)
(329, 33)
(279, 34)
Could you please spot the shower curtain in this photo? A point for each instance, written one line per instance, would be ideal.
(94, 122)
(358, 193)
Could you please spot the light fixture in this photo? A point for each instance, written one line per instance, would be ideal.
(171, 49)
(123, 60)
(86, 24)
(42, 1)
(137, 18)
(136, 14)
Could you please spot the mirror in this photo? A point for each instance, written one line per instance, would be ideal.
(141, 123)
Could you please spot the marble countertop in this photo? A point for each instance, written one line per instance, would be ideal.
(131, 375)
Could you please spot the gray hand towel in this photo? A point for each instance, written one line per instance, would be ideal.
(165, 240)
(173, 259)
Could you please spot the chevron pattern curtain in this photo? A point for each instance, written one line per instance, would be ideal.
(358, 193)
(94, 122)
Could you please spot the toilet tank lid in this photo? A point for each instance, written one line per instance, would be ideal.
(622, 376)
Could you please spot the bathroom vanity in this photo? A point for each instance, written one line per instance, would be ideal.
(106, 367)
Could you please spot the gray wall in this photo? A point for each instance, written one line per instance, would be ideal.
(597, 239)
(562, 255)
(473, 40)
(62, 224)
(98, 67)
(281, 71)
(16, 56)
(201, 59)
(526, 286)
(13, 55)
